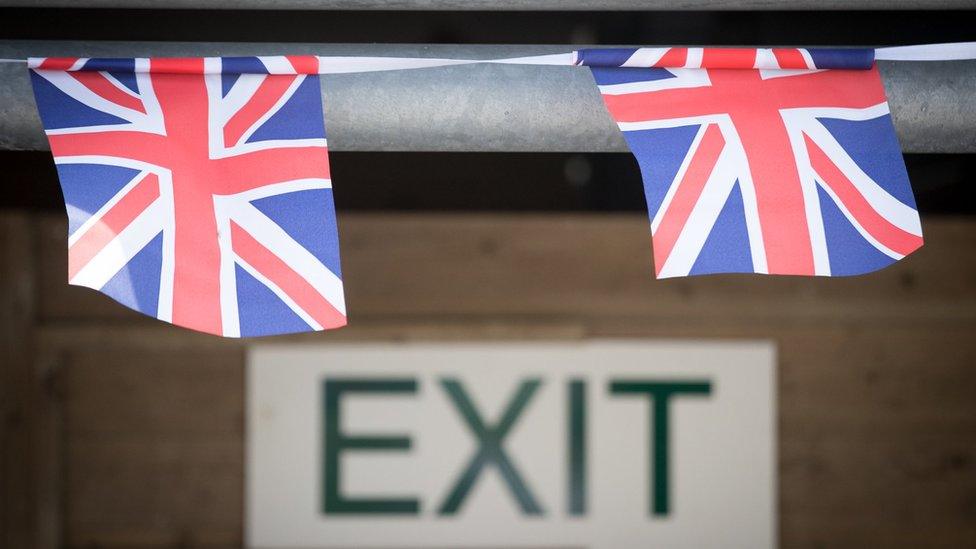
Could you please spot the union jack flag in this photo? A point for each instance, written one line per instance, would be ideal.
(198, 190)
(778, 171)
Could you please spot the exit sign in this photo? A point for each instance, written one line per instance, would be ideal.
(600, 444)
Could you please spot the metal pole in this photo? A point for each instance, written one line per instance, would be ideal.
(488, 108)
(507, 5)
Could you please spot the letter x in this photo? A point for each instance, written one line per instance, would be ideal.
(490, 450)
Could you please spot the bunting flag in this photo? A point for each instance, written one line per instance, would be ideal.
(197, 190)
(760, 161)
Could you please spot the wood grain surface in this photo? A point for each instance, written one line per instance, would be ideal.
(876, 374)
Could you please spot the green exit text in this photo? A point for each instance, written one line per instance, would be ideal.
(490, 438)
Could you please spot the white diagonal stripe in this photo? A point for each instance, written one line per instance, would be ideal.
(701, 220)
(645, 57)
(120, 250)
(302, 261)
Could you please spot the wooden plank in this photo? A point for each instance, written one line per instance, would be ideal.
(155, 448)
(154, 490)
(47, 448)
(158, 393)
(159, 336)
(16, 315)
(30, 460)
(29, 499)
(878, 437)
(576, 266)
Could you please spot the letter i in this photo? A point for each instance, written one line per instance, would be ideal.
(576, 447)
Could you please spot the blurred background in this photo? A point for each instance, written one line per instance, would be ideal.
(118, 431)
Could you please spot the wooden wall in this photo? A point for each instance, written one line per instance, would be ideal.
(122, 432)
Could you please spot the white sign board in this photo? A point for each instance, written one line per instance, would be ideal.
(601, 444)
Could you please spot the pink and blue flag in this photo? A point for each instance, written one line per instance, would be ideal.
(762, 160)
(197, 190)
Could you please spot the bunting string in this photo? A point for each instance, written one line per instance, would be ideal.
(651, 57)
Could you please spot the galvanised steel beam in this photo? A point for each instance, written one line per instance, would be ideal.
(489, 108)
(504, 5)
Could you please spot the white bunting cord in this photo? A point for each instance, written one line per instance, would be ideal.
(349, 64)
(551, 59)
(928, 52)
(355, 64)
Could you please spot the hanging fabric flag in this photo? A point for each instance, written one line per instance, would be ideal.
(198, 190)
(761, 161)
